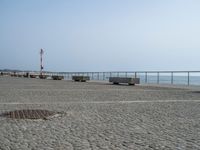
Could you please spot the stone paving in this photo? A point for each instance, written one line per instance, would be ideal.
(99, 115)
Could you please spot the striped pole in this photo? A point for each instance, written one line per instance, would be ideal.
(41, 66)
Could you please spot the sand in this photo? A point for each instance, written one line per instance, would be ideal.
(99, 115)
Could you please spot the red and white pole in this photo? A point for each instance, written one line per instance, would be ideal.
(41, 65)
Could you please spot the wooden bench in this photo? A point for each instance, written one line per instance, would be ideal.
(33, 75)
(80, 78)
(19, 75)
(43, 76)
(130, 81)
(26, 75)
(14, 75)
(57, 77)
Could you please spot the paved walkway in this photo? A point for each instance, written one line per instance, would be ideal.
(100, 116)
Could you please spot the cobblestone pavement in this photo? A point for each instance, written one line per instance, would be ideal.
(99, 116)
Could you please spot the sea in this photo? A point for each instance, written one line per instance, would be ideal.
(150, 78)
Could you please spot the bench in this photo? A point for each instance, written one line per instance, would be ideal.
(33, 75)
(80, 78)
(130, 81)
(43, 76)
(13, 75)
(57, 77)
(26, 75)
(19, 75)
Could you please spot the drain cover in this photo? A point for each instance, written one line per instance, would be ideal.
(29, 114)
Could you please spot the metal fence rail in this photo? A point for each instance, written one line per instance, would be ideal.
(153, 77)
(146, 77)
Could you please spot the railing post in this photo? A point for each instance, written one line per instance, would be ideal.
(88, 74)
(117, 74)
(145, 77)
(98, 75)
(110, 74)
(172, 78)
(103, 75)
(126, 74)
(158, 77)
(92, 75)
(188, 78)
(135, 74)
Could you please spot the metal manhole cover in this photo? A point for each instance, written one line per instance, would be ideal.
(29, 114)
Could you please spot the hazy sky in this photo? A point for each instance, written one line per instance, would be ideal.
(100, 35)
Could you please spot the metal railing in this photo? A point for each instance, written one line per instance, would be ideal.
(153, 77)
(146, 77)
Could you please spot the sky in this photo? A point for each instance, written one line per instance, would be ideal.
(100, 35)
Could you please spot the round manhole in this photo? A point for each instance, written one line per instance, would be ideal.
(29, 114)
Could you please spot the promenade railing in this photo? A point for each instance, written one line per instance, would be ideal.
(146, 77)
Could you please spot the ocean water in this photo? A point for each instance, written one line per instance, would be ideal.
(151, 78)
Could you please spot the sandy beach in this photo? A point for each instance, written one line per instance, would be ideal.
(99, 115)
